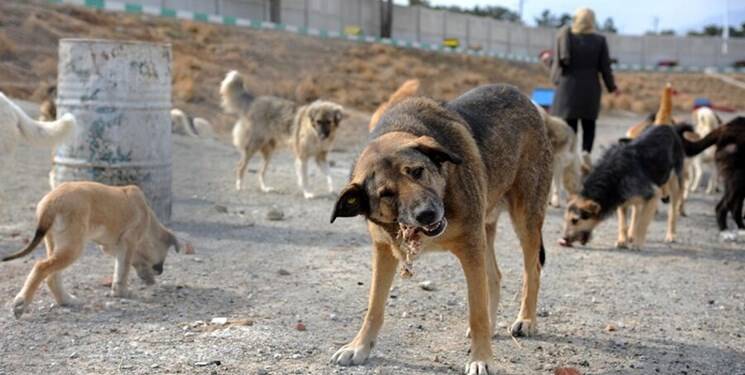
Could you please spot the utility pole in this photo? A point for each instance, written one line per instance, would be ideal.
(520, 5)
(386, 18)
(725, 29)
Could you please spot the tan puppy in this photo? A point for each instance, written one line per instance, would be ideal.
(435, 177)
(266, 122)
(406, 90)
(117, 218)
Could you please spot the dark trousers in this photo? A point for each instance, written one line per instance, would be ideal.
(588, 132)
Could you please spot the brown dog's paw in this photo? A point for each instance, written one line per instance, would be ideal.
(351, 355)
(523, 328)
(488, 367)
(19, 307)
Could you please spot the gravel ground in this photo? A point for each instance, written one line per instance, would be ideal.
(671, 309)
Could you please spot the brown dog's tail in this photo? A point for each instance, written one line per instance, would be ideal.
(695, 148)
(664, 114)
(406, 90)
(45, 223)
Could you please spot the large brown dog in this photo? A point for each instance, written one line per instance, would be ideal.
(435, 177)
(406, 90)
(117, 218)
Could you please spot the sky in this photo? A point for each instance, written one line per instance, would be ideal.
(630, 16)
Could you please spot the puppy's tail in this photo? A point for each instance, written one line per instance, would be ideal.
(44, 224)
(664, 114)
(43, 133)
(235, 97)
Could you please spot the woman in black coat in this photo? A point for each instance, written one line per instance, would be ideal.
(580, 57)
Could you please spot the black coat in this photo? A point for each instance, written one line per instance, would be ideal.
(578, 92)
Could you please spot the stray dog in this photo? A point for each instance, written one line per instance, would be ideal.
(117, 218)
(566, 164)
(630, 175)
(16, 125)
(184, 124)
(662, 117)
(406, 90)
(705, 121)
(267, 121)
(435, 176)
(730, 161)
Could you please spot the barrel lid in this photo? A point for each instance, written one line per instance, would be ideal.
(114, 41)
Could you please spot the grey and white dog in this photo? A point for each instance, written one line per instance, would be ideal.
(265, 122)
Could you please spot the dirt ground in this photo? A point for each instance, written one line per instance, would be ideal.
(356, 75)
(676, 309)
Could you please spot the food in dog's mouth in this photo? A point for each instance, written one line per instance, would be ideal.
(565, 242)
(411, 242)
(582, 237)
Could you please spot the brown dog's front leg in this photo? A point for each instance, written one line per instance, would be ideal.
(384, 269)
(472, 259)
(121, 272)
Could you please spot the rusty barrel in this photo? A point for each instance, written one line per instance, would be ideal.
(120, 94)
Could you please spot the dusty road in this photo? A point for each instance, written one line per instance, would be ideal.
(677, 309)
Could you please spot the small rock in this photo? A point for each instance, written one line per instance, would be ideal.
(154, 365)
(332, 316)
(543, 313)
(262, 371)
(300, 326)
(207, 363)
(611, 328)
(221, 209)
(711, 302)
(566, 371)
(275, 214)
(219, 321)
(105, 281)
(404, 314)
(198, 260)
(188, 249)
(73, 355)
(427, 285)
(283, 272)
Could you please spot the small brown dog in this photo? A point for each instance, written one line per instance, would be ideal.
(117, 218)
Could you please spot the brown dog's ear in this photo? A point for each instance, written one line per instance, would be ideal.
(352, 202)
(592, 207)
(435, 151)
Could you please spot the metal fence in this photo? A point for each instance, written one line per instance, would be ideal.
(429, 26)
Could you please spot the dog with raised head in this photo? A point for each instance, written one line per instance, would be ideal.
(266, 122)
(435, 177)
(16, 126)
(729, 156)
(118, 219)
(705, 121)
(631, 175)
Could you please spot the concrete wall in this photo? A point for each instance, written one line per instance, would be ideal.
(424, 25)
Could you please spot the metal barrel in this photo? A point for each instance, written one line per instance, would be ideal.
(120, 94)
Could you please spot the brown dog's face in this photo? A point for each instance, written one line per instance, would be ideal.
(580, 218)
(149, 258)
(399, 178)
(325, 119)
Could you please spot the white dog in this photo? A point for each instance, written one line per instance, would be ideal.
(566, 163)
(705, 121)
(191, 126)
(16, 126)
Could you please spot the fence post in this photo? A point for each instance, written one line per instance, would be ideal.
(419, 24)
(306, 19)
